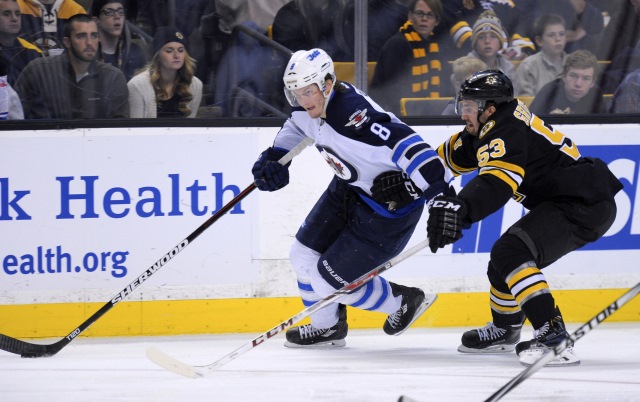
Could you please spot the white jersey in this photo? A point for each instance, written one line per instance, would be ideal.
(359, 140)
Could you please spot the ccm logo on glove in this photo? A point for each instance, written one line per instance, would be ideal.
(446, 205)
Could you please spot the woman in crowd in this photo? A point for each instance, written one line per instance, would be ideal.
(167, 87)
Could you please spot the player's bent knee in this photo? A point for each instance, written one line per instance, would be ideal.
(305, 263)
(303, 259)
(508, 253)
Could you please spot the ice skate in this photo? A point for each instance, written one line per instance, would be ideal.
(546, 338)
(414, 303)
(309, 336)
(490, 339)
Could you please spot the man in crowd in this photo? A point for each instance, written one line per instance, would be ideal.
(15, 52)
(118, 46)
(74, 85)
(575, 92)
(626, 99)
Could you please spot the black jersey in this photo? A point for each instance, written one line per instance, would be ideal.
(516, 153)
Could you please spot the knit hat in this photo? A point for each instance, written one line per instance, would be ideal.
(97, 6)
(488, 21)
(165, 35)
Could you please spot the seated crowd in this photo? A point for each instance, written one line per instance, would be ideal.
(75, 59)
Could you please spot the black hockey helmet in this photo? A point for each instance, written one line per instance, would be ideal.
(486, 86)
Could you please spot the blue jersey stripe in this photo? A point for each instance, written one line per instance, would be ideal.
(402, 146)
(420, 160)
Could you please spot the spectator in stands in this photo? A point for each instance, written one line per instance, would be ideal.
(583, 20)
(217, 21)
(183, 14)
(297, 26)
(384, 19)
(43, 22)
(304, 24)
(487, 40)
(74, 85)
(460, 15)
(260, 12)
(15, 52)
(10, 106)
(545, 66)
(247, 83)
(626, 99)
(168, 86)
(413, 62)
(463, 68)
(117, 44)
(575, 92)
(621, 43)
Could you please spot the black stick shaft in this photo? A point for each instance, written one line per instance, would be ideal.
(573, 338)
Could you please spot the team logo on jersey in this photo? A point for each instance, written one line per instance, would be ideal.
(358, 119)
(341, 168)
(488, 126)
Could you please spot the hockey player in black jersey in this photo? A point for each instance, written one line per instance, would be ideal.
(570, 199)
(384, 174)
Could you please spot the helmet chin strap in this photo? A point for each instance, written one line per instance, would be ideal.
(480, 124)
(327, 98)
(480, 112)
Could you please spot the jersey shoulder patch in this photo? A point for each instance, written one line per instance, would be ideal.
(350, 111)
(358, 118)
(486, 128)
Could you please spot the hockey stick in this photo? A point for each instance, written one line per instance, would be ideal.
(187, 370)
(573, 338)
(27, 349)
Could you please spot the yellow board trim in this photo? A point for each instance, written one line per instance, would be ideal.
(174, 317)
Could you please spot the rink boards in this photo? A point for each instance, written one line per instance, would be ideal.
(85, 212)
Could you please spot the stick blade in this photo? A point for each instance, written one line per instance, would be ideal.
(404, 398)
(169, 363)
(26, 349)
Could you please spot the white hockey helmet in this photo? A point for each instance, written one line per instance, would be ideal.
(308, 67)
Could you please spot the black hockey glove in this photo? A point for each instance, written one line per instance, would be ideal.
(395, 190)
(268, 174)
(446, 220)
(438, 188)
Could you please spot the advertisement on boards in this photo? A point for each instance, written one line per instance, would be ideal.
(94, 208)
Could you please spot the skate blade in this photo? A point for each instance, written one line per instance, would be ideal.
(495, 349)
(428, 301)
(566, 358)
(337, 343)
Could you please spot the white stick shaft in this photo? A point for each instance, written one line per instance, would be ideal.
(171, 364)
(295, 151)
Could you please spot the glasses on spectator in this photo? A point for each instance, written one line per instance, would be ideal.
(110, 12)
(421, 14)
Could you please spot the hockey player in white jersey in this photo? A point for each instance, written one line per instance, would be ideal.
(384, 175)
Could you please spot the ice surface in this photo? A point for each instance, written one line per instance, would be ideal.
(422, 364)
